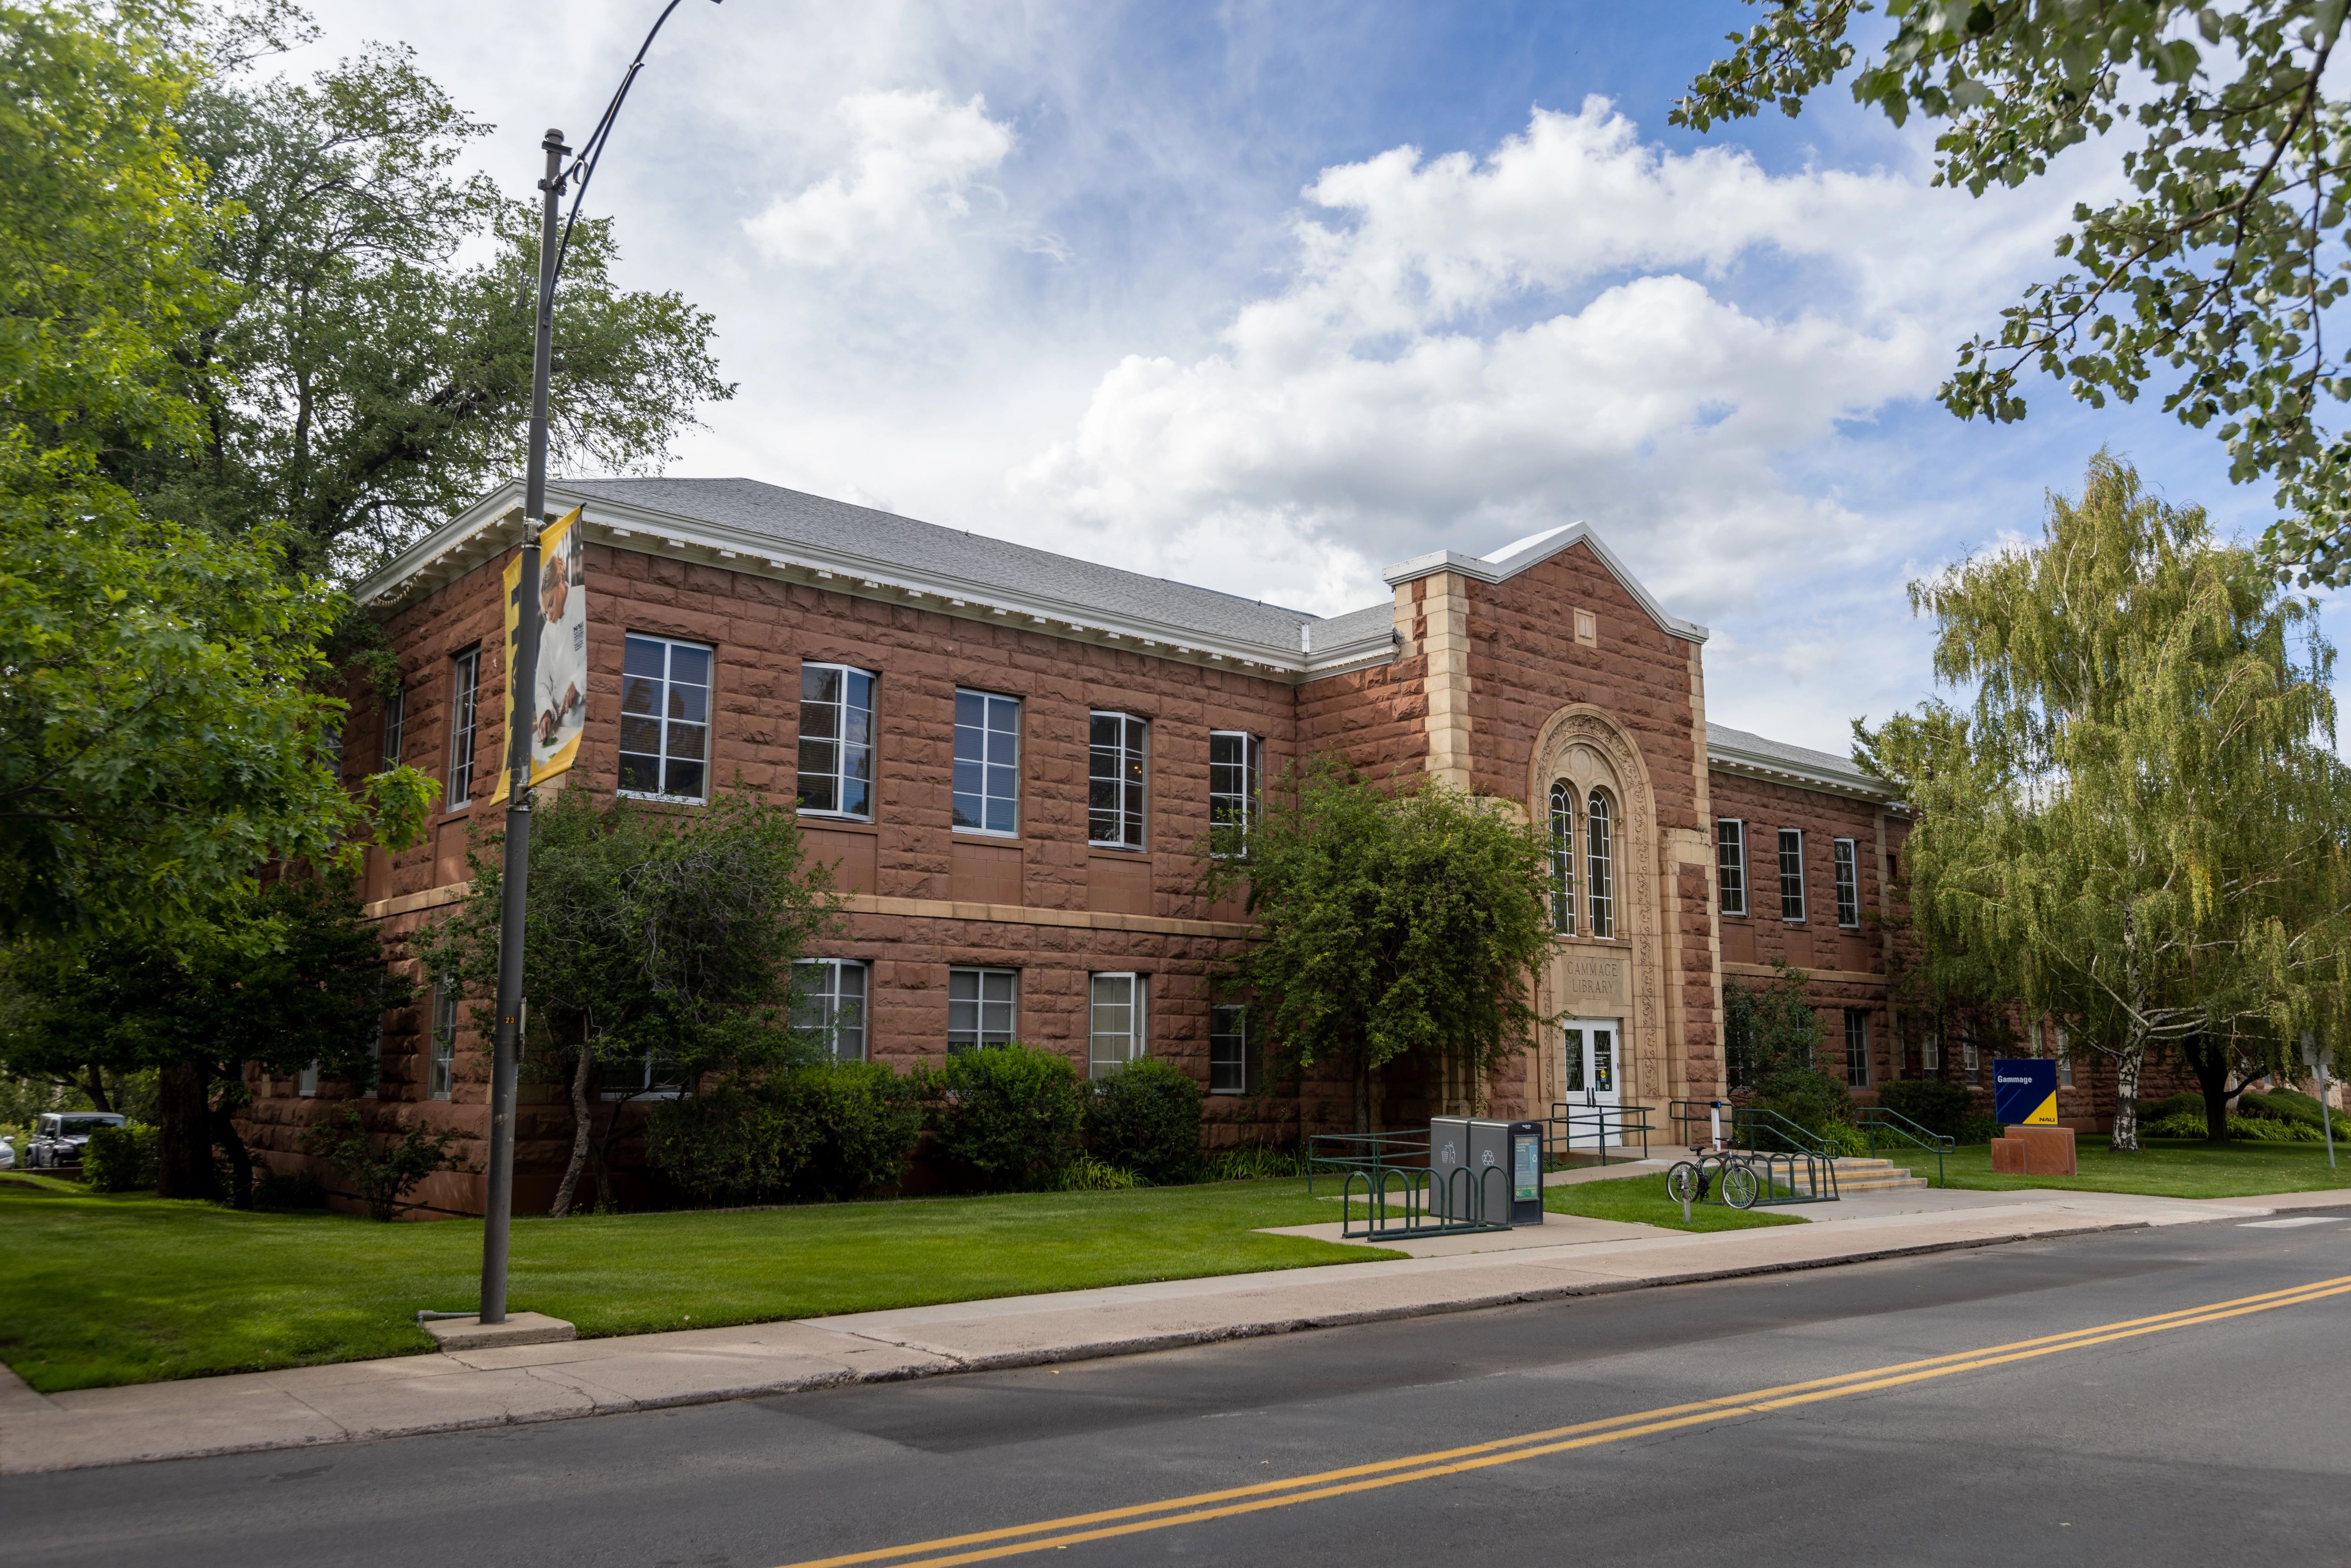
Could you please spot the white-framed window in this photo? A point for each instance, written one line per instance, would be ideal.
(1931, 1050)
(465, 706)
(987, 764)
(1848, 882)
(664, 719)
(1228, 1050)
(306, 1082)
(829, 1001)
(1114, 1021)
(1562, 858)
(2063, 1050)
(1730, 864)
(1599, 860)
(1118, 747)
(1232, 779)
(1792, 874)
(396, 725)
(1857, 1048)
(836, 741)
(983, 1009)
(639, 1078)
(1968, 1057)
(442, 1067)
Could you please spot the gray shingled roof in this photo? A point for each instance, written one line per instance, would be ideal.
(1796, 755)
(887, 538)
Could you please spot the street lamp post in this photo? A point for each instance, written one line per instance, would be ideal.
(514, 911)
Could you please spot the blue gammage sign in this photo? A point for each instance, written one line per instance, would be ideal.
(2024, 1093)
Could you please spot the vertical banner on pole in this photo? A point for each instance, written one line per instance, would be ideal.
(557, 703)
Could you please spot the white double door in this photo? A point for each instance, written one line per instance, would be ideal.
(1589, 1085)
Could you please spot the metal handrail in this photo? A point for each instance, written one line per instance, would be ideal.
(1569, 1120)
(1803, 1173)
(1338, 1153)
(1872, 1119)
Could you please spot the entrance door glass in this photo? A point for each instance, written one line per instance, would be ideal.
(1588, 1083)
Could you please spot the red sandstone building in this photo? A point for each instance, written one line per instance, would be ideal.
(1014, 756)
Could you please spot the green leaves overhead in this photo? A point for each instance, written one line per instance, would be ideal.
(373, 375)
(2210, 282)
(1387, 928)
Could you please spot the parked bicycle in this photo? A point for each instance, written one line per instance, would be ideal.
(1691, 1180)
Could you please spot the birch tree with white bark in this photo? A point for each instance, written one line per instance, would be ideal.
(2137, 819)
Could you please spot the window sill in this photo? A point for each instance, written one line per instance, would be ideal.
(1118, 850)
(660, 800)
(1000, 836)
(846, 819)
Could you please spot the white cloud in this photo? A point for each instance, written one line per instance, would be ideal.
(1472, 349)
(912, 162)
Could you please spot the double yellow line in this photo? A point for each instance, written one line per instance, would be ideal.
(986, 1545)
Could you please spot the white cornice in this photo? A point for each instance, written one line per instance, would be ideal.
(1531, 552)
(493, 524)
(1775, 769)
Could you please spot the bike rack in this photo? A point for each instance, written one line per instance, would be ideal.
(1467, 1191)
(1801, 1169)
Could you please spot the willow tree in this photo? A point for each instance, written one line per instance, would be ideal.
(1387, 928)
(2138, 822)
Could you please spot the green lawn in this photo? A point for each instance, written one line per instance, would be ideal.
(1642, 1200)
(105, 1290)
(2162, 1169)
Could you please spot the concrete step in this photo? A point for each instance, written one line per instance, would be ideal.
(1880, 1183)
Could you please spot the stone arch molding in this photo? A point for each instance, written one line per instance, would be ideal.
(1586, 746)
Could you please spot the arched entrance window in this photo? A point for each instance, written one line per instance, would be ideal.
(1599, 896)
(1562, 858)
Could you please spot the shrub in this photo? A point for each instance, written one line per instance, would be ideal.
(1009, 1113)
(1980, 1129)
(384, 1177)
(732, 1145)
(1813, 1101)
(862, 1122)
(1938, 1106)
(2247, 1129)
(2165, 1109)
(1253, 1163)
(122, 1159)
(1146, 1117)
(1087, 1173)
(2293, 1106)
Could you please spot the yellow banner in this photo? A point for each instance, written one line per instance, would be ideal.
(558, 699)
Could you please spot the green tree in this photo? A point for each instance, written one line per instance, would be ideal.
(2209, 277)
(2138, 822)
(1387, 928)
(159, 737)
(662, 949)
(294, 979)
(370, 375)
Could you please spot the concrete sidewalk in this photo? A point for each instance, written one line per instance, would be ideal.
(401, 1395)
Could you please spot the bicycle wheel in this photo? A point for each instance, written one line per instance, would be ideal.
(1682, 1183)
(1738, 1187)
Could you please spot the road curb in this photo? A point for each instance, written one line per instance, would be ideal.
(948, 1363)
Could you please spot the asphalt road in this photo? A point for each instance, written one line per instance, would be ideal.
(2211, 1438)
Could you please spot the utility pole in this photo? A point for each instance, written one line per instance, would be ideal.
(499, 1198)
(521, 682)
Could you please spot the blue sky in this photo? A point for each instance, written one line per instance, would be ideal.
(1267, 296)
